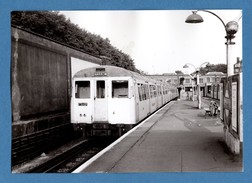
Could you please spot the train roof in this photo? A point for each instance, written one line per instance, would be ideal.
(111, 71)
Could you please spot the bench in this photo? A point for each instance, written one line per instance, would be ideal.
(207, 112)
(212, 110)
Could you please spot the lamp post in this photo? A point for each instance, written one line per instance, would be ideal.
(230, 28)
(192, 87)
(186, 66)
(197, 82)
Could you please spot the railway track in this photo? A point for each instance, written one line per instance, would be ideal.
(68, 161)
(30, 146)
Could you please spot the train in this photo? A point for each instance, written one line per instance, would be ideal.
(108, 100)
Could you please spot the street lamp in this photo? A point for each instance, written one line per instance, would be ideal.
(197, 82)
(230, 28)
(192, 86)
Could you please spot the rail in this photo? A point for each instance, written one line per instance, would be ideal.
(27, 147)
(69, 160)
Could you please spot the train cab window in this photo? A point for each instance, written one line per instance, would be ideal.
(119, 89)
(82, 89)
(100, 89)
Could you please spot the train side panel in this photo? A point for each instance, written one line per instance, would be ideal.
(121, 111)
(108, 101)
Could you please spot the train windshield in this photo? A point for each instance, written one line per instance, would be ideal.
(82, 89)
(119, 89)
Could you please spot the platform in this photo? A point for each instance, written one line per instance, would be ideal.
(178, 138)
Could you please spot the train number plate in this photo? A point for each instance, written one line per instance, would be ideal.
(82, 104)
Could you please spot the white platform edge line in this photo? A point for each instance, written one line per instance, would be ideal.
(91, 160)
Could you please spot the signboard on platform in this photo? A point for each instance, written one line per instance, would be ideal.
(234, 106)
(221, 101)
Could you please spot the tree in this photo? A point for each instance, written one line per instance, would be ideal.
(213, 68)
(56, 27)
(179, 72)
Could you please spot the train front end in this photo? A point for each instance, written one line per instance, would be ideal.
(101, 103)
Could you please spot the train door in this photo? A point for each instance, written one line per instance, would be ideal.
(83, 103)
(100, 100)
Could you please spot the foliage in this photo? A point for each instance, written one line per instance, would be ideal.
(178, 72)
(213, 68)
(55, 26)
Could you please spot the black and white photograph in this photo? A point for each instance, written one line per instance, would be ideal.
(126, 91)
(139, 91)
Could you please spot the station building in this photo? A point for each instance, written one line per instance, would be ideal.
(187, 86)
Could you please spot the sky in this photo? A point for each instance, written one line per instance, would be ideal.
(159, 41)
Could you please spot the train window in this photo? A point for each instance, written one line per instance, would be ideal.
(153, 91)
(82, 89)
(147, 91)
(159, 90)
(140, 92)
(120, 89)
(144, 92)
(100, 89)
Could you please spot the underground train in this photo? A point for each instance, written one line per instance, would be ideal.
(109, 100)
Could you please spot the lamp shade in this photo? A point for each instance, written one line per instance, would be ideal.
(185, 66)
(232, 27)
(194, 18)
